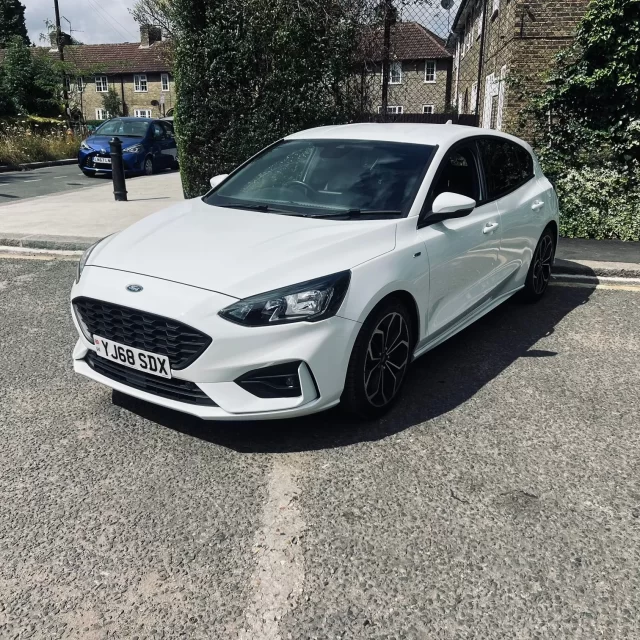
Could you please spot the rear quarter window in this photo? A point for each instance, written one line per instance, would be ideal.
(506, 165)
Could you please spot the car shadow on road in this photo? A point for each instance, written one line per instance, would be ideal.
(437, 383)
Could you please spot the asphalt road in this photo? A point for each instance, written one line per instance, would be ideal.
(501, 499)
(15, 185)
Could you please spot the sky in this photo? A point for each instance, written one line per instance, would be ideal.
(93, 21)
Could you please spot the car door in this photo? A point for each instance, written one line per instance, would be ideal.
(462, 252)
(169, 148)
(522, 201)
(158, 140)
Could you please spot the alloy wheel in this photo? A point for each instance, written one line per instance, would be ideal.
(386, 360)
(148, 167)
(542, 261)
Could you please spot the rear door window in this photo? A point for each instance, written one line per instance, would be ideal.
(506, 166)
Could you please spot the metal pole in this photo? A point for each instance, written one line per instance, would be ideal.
(117, 170)
(65, 93)
(481, 61)
(386, 47)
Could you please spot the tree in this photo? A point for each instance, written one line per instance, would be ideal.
(249, 72)
(29, 81)
(12, 22)
(156, 12)
(112, 103)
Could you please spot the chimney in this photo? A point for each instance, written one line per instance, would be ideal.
(65, 39)
(149, 34)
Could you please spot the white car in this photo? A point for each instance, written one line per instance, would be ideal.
(316, 272)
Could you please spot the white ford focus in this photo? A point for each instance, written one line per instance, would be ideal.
(316, 272)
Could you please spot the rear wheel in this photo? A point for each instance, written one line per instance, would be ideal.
(379, 361)
(539, 273)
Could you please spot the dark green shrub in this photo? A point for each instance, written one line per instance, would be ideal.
(248, 73)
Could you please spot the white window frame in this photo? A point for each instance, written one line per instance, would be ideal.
(102, 114)
(80, 84)
(494, 86)
(397, 64)
(102, 84)
(393, 109)
(67, 83)
(164, 81)
(426, 75)
(474, 97)
(496, 8)
(140, 83)
(428, 108)
(480, 21)
(142, 113)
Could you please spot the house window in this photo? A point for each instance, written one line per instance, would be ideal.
(80, 84)
(496, 7)
(142, 113)
(474, 97)
(393, 109)
(428, 108)
(164, 80)
(101, 114)
(140, 83)
(395, 73)
(430, 71)
(102, 84)
(480, 21)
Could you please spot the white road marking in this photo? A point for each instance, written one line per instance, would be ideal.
(34, 180)
(569, 276)
(587, 285)
(278, 578)
(28, 253)
(60, 177)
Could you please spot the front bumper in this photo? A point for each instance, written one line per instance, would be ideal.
(132, 162)
(323, 347)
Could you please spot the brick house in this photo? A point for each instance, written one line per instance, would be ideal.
(501, 40)
(419, 73)
(139, 72)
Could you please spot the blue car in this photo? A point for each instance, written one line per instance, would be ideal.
(147, 146)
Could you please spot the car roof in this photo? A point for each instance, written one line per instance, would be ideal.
(416, 133)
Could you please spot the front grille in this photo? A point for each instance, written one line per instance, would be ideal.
(180, 343)
(173, 389)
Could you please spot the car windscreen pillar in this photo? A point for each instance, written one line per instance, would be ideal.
(117, 170)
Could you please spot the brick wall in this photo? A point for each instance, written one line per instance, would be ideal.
(414, 92)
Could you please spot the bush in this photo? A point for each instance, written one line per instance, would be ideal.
(19, 145)
(599, 202)
(251, 72)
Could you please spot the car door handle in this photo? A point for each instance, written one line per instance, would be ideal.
(537, 205)
(490, 227)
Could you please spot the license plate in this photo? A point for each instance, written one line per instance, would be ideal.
(133, 358)
(99, 160)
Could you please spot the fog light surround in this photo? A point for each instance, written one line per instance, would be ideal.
(276, 381)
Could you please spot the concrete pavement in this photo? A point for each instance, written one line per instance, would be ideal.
(74, 220)
(500, 499)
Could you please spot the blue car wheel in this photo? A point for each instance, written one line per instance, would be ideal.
(147, 166)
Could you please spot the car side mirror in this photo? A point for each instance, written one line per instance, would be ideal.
(450, 205)
(216, 180)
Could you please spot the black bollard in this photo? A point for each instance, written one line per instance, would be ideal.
(117, 170)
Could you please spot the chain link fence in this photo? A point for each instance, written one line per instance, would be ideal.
(421, 61)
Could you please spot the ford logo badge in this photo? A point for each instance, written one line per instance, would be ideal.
(134, 288)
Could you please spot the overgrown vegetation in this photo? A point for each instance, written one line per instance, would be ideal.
(112, 103)
(19, 144)
(587, 124)
(249, 72)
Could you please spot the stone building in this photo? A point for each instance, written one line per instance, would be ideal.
(419, 73)
(500, 43)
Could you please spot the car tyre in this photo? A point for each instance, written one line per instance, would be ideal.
(539, 274)
(378, 365)
(89, 174)
(147, 167)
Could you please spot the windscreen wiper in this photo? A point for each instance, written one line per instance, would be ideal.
(251, 207)
(360, 213)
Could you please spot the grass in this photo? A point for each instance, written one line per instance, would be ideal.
(18, 146)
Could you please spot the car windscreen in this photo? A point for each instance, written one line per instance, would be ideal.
(129, 128)
(327, 177)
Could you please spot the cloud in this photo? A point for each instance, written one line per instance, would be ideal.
(93, 21)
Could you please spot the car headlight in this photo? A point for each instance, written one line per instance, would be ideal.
(84, 258)
(85, 146)
(134, 148)
(308, 301)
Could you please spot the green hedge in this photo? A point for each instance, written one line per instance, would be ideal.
(599, 202)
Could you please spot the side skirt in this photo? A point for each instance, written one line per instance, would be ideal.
(470, 318)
